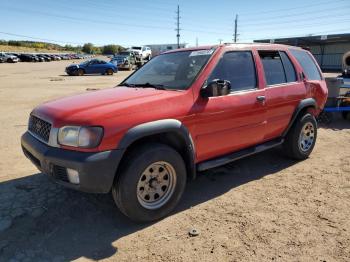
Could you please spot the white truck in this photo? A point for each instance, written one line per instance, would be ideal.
(144, 52)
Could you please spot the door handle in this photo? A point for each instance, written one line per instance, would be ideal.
(261, 99)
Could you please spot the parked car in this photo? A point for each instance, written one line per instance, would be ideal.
(185, 111)
(125, 60)
(144, 52)
(26, 58)
(94, 66)
(9, 58)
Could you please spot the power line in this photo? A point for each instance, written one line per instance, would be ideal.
(41, 39)
(107, 12)
(87, 20)
(272, 18)
(296, 20)
(324, 23)
(293, 8)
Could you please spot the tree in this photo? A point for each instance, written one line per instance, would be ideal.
(110, 49)
(88, 48)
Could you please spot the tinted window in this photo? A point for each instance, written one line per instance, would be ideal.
(273, 67)
(307, 63)
(288, 68)
(238, 68)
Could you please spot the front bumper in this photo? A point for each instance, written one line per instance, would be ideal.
(96, 170)
(71, 70)
(123, 66)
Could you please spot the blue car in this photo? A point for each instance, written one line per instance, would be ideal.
(94, 66)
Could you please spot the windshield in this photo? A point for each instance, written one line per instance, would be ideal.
(171, 71)
(136, 47)
(86, 62)
(124, 53)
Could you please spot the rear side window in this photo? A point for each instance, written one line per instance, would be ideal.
(273, 67)
(309, 67)
(237, 67)
(288, 68)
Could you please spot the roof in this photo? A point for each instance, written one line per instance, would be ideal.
(309, 40)
(238, 45)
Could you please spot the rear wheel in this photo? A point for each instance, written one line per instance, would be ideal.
(151, 183)
(301, 139)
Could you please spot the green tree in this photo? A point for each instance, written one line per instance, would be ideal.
(110, 49)
(88, 48)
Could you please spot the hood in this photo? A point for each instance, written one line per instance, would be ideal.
(73, 66)
(92, 107)
(120, 56)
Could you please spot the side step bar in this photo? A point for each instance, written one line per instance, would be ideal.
(220, 161)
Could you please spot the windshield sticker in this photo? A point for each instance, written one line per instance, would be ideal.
(202, 52)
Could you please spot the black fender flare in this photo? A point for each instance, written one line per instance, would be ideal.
(305, 103)
(158, 127)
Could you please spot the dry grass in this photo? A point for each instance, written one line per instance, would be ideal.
(8, 48)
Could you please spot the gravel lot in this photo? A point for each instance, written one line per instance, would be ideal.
(265, 207)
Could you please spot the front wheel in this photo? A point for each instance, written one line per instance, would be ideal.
(301, 139)
(109, 72)
(151, 183)
(80, 72)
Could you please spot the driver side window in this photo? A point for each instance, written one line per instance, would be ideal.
(237, 67)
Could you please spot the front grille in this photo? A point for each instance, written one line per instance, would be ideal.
(60, 173)
(40, 128)
(119, 60)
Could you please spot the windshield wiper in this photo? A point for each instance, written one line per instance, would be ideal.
(127, 85)
(149, 85)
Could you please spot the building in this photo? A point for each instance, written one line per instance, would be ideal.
(327, 49)
(157, 49)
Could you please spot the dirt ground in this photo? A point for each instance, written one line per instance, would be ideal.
(265, 207)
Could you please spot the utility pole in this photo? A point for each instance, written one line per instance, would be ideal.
(178, 26)
(220, 40)
(235, 35)
(196, 41)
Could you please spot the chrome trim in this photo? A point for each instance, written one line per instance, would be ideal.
(53, 139)
(53, 136)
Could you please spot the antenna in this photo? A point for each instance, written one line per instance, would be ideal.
(236, 24)
(178, 26)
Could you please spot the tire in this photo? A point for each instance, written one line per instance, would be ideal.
(80, 72)
(109, 72)
(301, 138)
(345, 115)
(9, 60)
(133, 191)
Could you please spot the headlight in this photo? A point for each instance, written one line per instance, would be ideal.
(78, 136)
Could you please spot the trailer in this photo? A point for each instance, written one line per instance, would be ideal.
(338, 100)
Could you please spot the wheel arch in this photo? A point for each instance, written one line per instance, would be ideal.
(304, 105)
(167, 131)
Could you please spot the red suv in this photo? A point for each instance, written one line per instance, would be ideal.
(185, 111)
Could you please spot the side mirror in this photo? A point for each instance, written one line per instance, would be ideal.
(216, 87)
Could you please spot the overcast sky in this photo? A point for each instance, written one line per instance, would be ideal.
(153, 22)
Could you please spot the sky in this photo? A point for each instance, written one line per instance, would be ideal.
(140, 22)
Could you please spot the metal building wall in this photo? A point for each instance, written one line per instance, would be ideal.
(331, 59)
